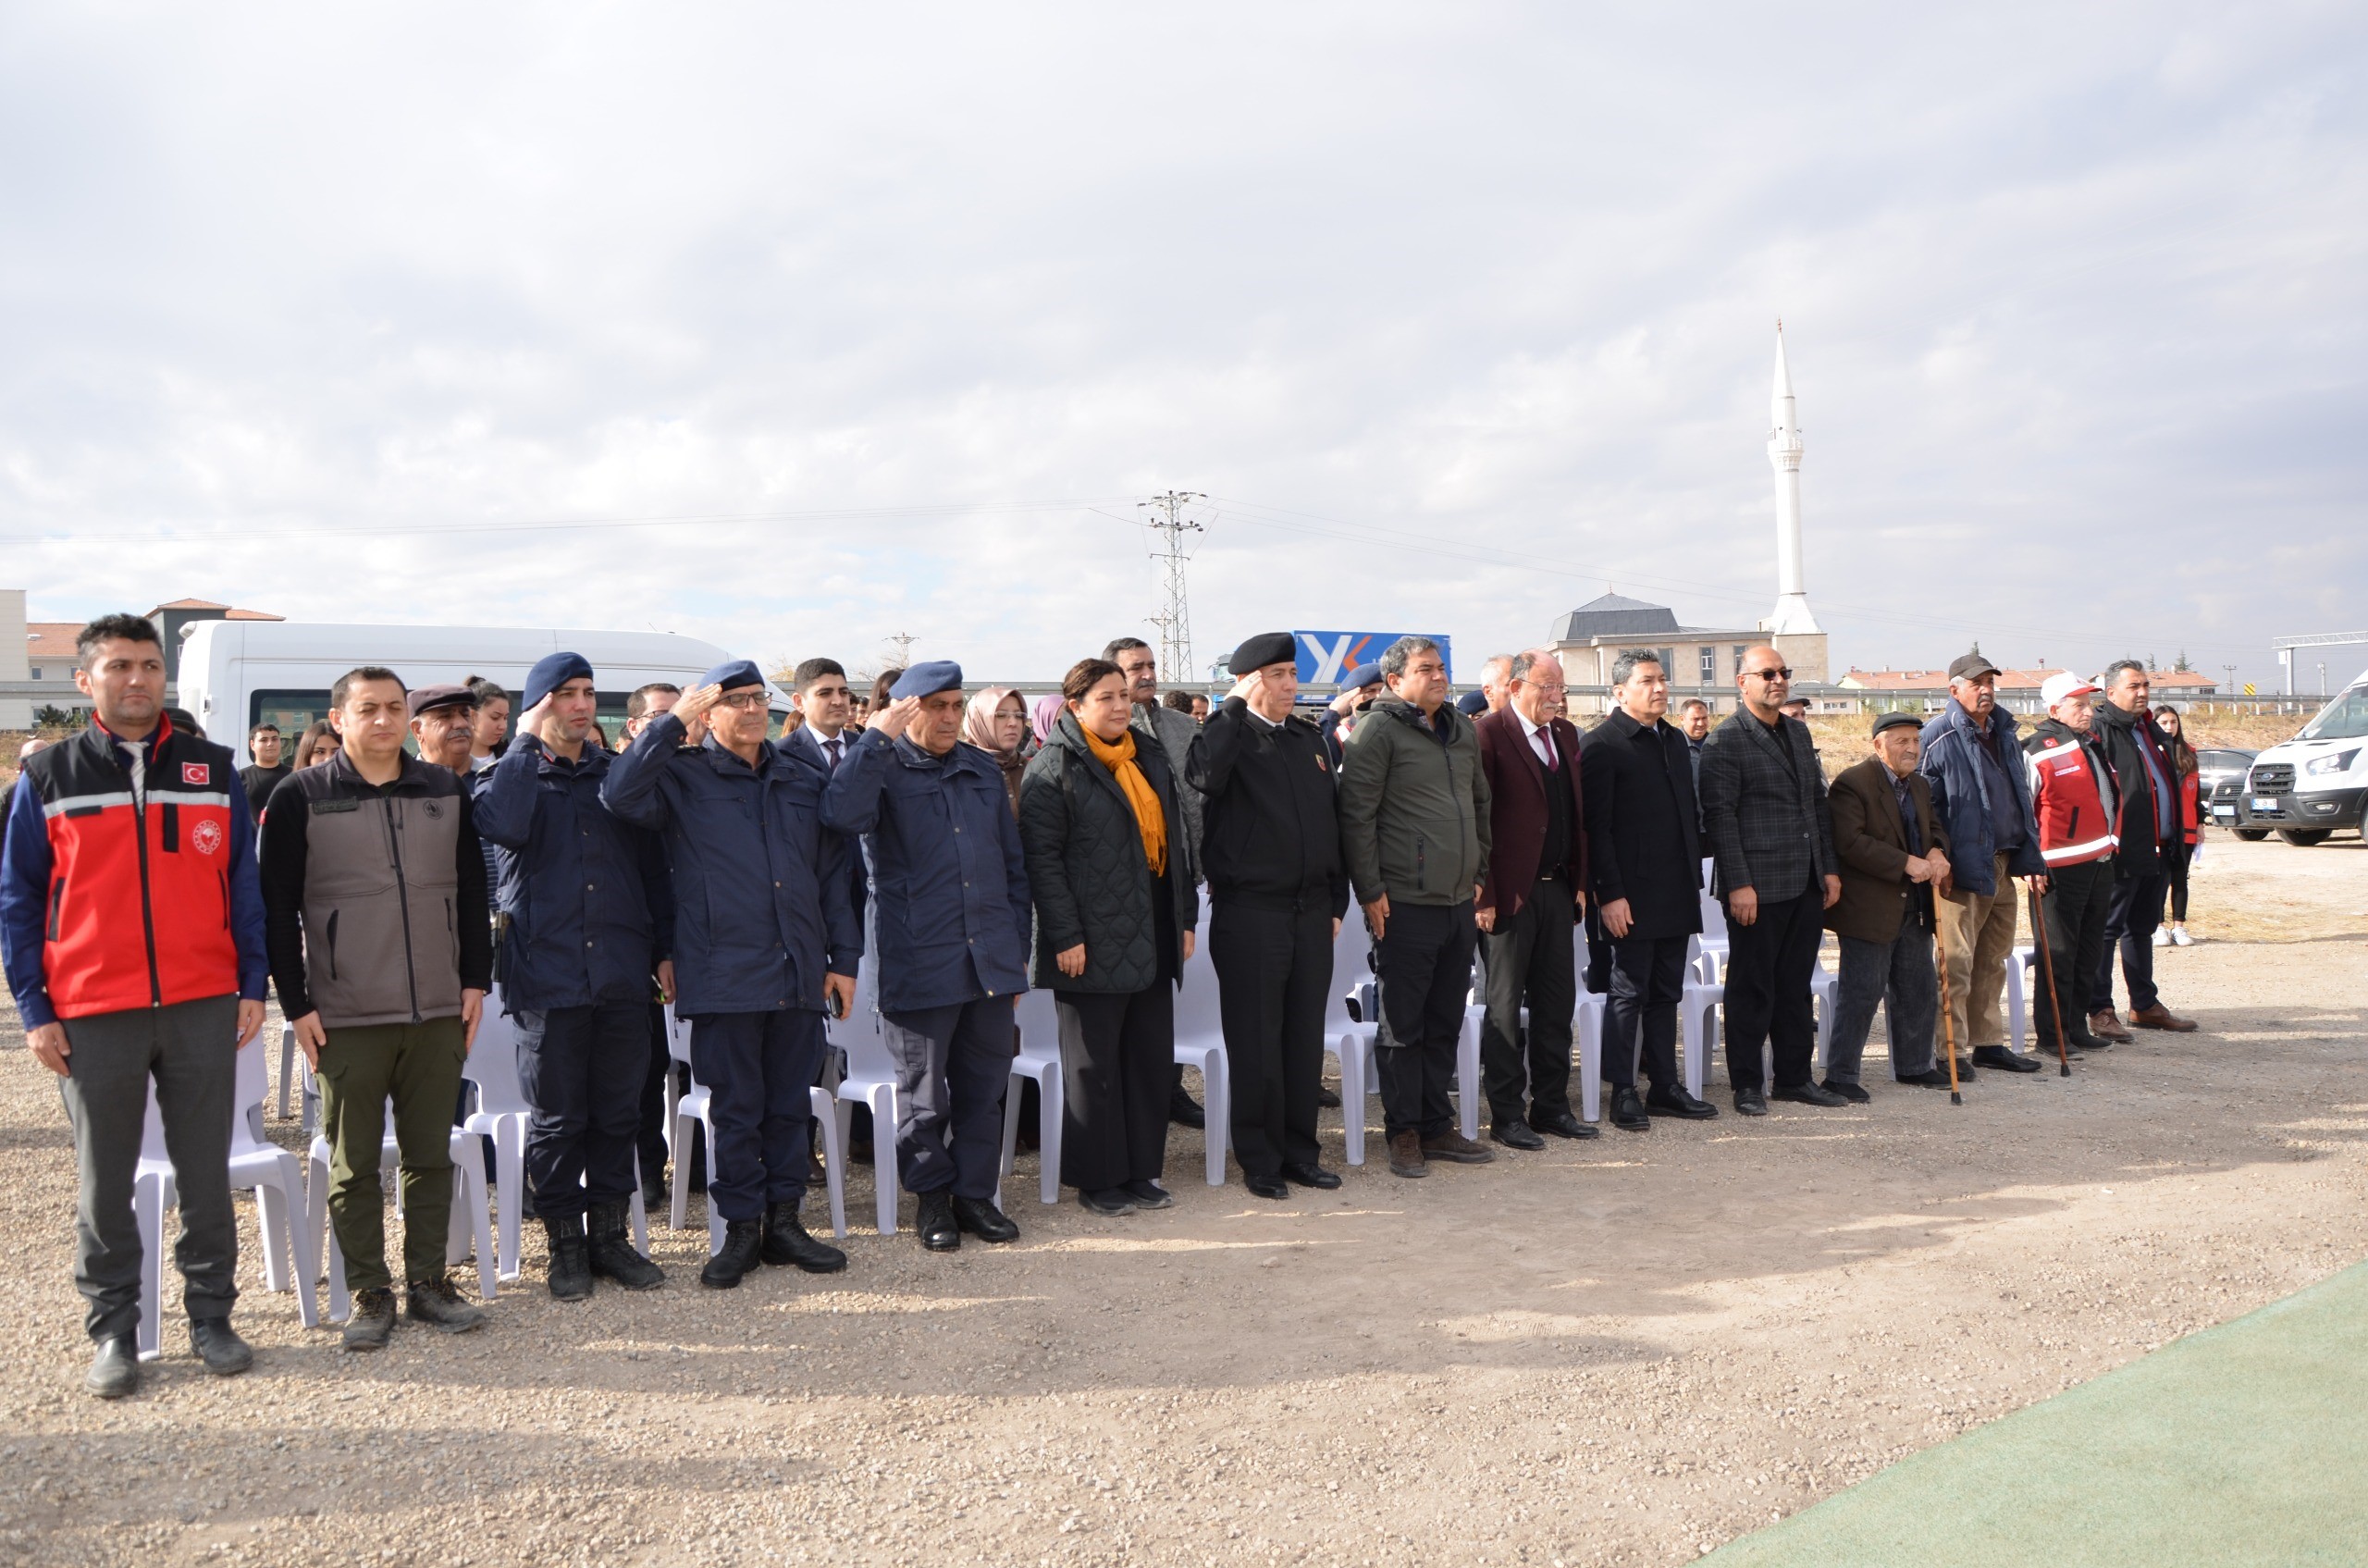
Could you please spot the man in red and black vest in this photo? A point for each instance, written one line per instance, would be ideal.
(131, 917)
(2077, 800)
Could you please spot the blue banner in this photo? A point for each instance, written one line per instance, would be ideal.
(1325, 657)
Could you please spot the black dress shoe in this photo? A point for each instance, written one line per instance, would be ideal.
(1628, 1111)
(1266, 1186)
(2004, 1060)
(1329, 1099)
(114, 1368)
(1311, 1174)
(2083, 1040)
(1849, 1092)
(935, 1225)
(1930, 1078)
(1561, 1123)
(1750, 1103)
(1516, 1134)
(1185, 1111)
(1678, 1102)
(1807, 1094)
(1149, 1195)
(218, 1345)
(1107, 1201)
(982, 1218)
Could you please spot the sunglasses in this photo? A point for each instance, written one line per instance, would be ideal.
(1771, 674)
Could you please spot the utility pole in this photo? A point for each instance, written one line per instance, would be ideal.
(1164, 515)
(904, 641)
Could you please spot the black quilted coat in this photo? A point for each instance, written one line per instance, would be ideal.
(1086, 867)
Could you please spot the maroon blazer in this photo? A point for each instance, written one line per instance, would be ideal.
(1517, 784)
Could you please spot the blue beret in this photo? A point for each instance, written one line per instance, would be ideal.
(551, 671)
(1471, 704)
(1364, 676)
(733, 672)
(926, 680)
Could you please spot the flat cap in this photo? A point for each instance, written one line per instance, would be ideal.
(733, 672)
(927, 679)
(1364, 676)
(551, 671)
(1971, 667)
(1894, 720)
(423, 699)
(1266, 647)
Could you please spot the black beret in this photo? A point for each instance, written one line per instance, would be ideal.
(1266, 647)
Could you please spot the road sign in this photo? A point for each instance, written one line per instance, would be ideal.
(2249, 689)
(1325, 657)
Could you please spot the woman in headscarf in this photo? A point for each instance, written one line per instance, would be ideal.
(996, 723)
(2187, 769)
(1043, 715)
(1115, 913)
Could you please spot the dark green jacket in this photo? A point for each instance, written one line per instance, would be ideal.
(1086, 867)
(1414, 807)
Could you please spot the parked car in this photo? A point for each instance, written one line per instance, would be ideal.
(2308, 788)
(2221, 775)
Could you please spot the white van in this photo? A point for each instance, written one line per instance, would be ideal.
(236, 674)
(2307, 788)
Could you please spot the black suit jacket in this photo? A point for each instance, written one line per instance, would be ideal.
(803, 744)
(1642, 844)
(1876, 894)
(1769, 823)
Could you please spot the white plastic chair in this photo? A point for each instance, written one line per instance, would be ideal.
(694, 1107)
(1350, 1040)
(470, 1233)
(870, 1079)
(1040, 1058)
(2020, 983)
(277, 1177)
(1199, 1042)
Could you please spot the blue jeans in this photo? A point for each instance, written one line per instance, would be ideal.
(1899, 974)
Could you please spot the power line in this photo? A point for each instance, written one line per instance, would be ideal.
(1165, 518)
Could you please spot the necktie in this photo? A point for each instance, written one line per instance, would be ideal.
(830, 749)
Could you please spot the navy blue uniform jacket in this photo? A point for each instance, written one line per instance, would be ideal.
(589, 909)
(761, 910)
(946, 870)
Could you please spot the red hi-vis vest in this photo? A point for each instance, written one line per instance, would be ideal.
(139, 906)
(2074, 826)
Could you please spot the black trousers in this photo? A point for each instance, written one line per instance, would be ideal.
(582, 1069)
(1115, 1050)
(1424, 962)
(2136, 910)
(1647, 981)
(1767, 990)
(649, 1135)
(758, 1069)
(1273, 967)
(953, 1067)
(1528, 961)
(2077, 901)
(2176, 858)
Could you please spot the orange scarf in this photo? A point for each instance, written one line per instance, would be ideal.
(1150, 820)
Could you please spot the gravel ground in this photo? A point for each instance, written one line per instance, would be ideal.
(1619, 1353)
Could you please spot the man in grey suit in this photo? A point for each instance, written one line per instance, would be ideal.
(1771, 833)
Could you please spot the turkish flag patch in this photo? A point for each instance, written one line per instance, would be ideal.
(196, 773)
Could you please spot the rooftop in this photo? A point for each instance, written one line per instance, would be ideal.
(1614, 615)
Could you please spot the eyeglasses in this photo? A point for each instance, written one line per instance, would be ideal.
(1770, 674)
(745, 702)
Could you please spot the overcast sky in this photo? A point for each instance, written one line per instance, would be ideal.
(1459, 313)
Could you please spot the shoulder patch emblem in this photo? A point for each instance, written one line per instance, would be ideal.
(196, 773)
(206, 837)
(435, 810)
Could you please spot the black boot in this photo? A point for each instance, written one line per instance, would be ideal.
(935, 1225)
(571, 1270)
(613, 1256)
(982, 1218)
(787, 1242)
(742, 1239)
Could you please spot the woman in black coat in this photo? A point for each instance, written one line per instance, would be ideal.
(1115, 915)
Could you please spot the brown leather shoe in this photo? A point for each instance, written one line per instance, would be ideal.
(2160, 1016)
(1456, 1149)
(2106, 1026)
(1406, 1154)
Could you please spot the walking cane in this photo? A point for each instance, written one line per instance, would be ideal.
(2047, 978)
(1948, 1023)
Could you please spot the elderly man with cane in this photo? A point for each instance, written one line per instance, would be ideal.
(1893, 853)
(1974, 763)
